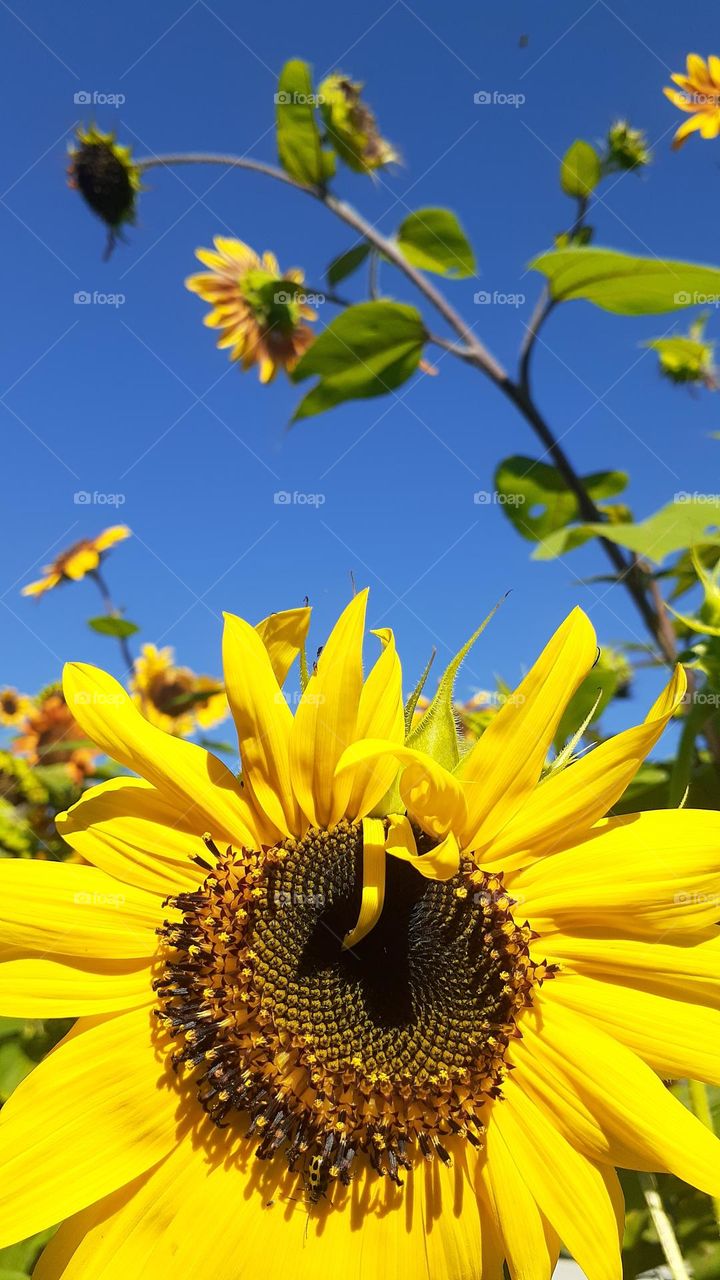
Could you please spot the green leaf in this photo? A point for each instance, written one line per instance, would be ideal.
(580, 170)
(344, 265)
(298, 137)
(18, 1260)
(536, 499)
(433, 240)
(624, 284)
(366, 351)
(110, 625)
(678, 525)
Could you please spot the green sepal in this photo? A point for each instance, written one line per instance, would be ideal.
(414, 698)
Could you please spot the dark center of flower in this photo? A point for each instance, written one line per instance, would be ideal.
(381, 1049)
(103, 180)
(169, 692)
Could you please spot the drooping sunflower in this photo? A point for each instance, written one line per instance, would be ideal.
(103, 171)
(14, 706)
(175, 698)
(373, 1011)
(81, 558)
(699, 96)
(352, 129)
(258, 309)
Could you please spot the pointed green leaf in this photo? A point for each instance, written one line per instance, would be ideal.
(110, 625)
(414, 698)
(580, 170)
(298, 137)
(535, 497)
(433, 240)
(437, 733)
(366, 351)
(682, 523)
(344, 265)
(627, 285)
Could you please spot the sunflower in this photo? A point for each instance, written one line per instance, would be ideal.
(699, 96)
(175, 698)
(81, 558)
(364, 1013)
(104, 173)
(50, 734)
(14, 706)
(351, 125)
(257, 309)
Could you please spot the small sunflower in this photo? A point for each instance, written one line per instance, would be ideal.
(80, 559)
(699, 96)
(102, 170)
(258, 309)
(50, 734)
(175, 698)
(359, 1013)
(14, 706)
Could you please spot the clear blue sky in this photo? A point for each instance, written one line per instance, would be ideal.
(136, 400)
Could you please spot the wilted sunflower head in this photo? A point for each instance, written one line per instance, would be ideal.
(102, 170)
(175, 698)
(317, 1034)
(75, 562)
(351, 125)
(258, 309)
(699, 96)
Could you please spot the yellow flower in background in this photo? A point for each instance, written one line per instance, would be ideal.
(358, 1013)
(699, 95)
(175, 698)
(14, 706)
(258, 309)
(351, 126)
(80, 559)
(50, 734)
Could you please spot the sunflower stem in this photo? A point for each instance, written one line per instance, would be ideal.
(664, 1227)
(700, 1103)
(113, 612)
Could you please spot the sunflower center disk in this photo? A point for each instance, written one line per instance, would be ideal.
(382, 1049)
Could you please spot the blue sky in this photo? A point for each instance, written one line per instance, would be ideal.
(135, 400)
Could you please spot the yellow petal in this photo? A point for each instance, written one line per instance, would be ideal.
(641, 873)
(284, 635)
(531, 1244)
(580, 1199)
(326, 720)
(373, 882)
(682, 965)
(65, 909)
(380, 715)
(37, 988)
(687, 127)
(42, 585)
(714, 69)
(505, 764)
(134, 833)
(560, 811)
(263, 721)
(194, 779)
(675, 1038)
(696, 69)
(440, 863)
(97, 1112)
(108, 538)
(431, 795)
(628, 1101)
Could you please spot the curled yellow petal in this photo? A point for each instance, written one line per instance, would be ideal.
(373, 888)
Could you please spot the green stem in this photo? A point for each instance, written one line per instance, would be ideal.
(700, 1103)
(664, 1227)
(113, 612)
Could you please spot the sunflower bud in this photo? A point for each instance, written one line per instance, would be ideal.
(688, 358)
(106, 177)
(351, 126)
(627, 148)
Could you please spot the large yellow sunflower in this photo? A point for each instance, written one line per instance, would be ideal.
(363, 1013)
(699, 96)
(258, 310)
